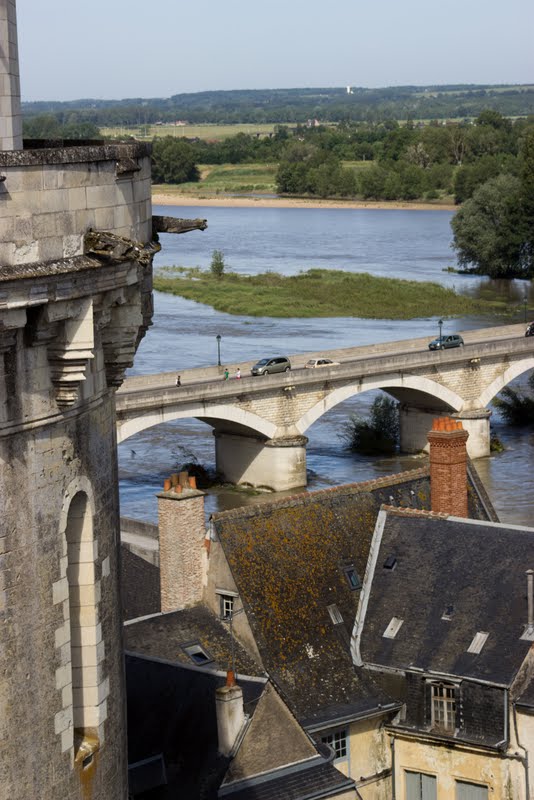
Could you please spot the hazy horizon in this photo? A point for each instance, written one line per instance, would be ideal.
(117, 50)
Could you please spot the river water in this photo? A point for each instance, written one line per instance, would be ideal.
(407, 244)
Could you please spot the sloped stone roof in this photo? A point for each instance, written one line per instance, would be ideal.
(475, 570)
(289, 560)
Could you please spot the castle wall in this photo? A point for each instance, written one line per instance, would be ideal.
(70, 321)
(42, 471)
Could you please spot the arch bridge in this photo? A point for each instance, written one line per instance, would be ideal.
(259, 423)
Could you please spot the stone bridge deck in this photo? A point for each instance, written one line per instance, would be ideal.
(255, 416)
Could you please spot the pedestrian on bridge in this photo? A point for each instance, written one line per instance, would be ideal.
(178, 380)
(226, 374)
(238, 373)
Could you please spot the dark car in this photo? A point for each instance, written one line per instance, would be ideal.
(530, 329)
(267, 366)
(452, 340)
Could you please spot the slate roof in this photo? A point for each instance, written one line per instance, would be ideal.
(165, 635)
(288, 559)
(139, 586)
(477, 568)
(318, 780)
(171, 710)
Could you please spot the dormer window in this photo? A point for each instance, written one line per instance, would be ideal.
(443, 706)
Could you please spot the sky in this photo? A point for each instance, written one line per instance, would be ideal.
(113, 49)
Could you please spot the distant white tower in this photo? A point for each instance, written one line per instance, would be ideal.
(349, 90)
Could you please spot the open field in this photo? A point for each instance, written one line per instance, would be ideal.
(208, 132)
(318, 293)
(228, 179)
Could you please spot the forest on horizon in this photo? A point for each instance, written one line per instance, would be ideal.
(297, 105)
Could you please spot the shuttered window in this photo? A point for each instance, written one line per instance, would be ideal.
(420, 786)
(471, 791)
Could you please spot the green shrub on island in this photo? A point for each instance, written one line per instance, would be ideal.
(378, 433)
(516, 407)
(319, 293)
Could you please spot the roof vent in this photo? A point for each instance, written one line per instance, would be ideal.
(447, 614)
(352, 577)
(390, 562)
(393, 628)
(479, 640)
(335, 614)
(197, 654)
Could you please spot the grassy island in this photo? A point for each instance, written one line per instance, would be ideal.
(317, 293)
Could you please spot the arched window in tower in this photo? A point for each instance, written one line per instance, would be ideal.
(86, 643)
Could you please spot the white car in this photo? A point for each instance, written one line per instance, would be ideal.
(320, 362)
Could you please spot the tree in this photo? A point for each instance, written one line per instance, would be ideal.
(217, 264)
(173, 161)
(489, 230)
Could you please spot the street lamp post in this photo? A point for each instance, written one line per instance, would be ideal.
(525, 301)
(440, 323)
(218, 337)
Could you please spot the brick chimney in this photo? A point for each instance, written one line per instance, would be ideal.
(230, 714)
(448, 466)
(182, 530)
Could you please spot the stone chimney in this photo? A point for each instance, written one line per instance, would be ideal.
(11, 117)
(230, 714)
(182, 531)
(448, 466)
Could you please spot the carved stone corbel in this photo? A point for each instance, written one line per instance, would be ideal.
(69, 354)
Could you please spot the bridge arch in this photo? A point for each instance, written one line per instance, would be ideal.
(239, 417)
(420, 384)
(506, 377)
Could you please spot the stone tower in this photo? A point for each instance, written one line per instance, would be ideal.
(75, 300)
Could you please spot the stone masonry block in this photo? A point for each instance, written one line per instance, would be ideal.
(101, 196)
(67, 740)
(66, 696)
(60, 590)
(63, 720)
(87, 637)
(88, 656)
(88, 676)
(63, 676)
(81, 573)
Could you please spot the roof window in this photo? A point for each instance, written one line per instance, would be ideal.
(447, 614)
(479, 640)
(390, 562)
(352, 577)
(197, 654)
(393, 628)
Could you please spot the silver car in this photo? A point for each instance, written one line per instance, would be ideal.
(267, 366)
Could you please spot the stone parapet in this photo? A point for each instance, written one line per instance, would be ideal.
(51, 197)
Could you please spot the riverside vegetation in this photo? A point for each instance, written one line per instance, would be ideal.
(318, 293)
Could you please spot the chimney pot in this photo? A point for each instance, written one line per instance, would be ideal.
(174, 478)
(230, 678)
(183, 478)
(178, 489)
(192, 482)
(167, 484)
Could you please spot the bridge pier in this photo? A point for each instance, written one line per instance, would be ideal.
(276, 464)
(416, 422)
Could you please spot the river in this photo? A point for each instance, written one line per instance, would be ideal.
(395, 243)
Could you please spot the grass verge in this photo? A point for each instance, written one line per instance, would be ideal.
(319, 293)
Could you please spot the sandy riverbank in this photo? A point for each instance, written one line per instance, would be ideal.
(174, 199)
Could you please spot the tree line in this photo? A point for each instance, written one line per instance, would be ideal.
(296, 105)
